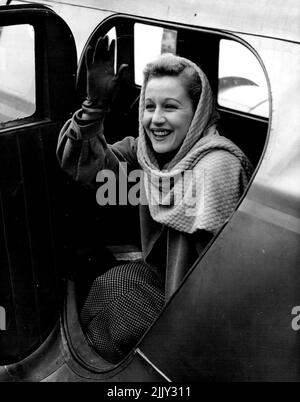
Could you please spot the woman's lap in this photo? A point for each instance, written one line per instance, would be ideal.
(121, 304)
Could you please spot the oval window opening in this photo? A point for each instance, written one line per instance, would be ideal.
(242, 83)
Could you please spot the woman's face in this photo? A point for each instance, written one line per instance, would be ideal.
(168, 113)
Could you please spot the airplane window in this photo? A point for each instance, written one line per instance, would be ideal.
(242, 83)
(17, 72)
(150, 42)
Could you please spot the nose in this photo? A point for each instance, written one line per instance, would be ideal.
(158, 116)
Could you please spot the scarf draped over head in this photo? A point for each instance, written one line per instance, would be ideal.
(200, 186)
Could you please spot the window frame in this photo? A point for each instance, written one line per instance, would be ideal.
(50, 105)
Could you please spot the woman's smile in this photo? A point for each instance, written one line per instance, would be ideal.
(168, 113)
(160, 135)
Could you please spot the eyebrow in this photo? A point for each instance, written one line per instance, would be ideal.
(172, 99)
(165, 100)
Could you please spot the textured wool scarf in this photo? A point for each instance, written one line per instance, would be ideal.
(200, 186)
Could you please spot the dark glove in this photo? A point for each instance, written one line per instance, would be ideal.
(102, 83)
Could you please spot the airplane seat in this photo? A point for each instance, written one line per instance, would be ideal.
(248, 133)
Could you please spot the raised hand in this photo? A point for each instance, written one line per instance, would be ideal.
(102, 83)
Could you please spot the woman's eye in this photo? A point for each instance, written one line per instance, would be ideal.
(149, 107)
(170, 106)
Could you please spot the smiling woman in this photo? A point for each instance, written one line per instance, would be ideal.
(168, 113)
(227, 299)
(178, 143)
(172, 92)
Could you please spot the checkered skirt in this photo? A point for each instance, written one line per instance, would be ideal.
(121, 305)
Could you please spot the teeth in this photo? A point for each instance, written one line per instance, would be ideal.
(161, 133)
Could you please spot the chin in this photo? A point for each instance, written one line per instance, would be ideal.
(161, 148)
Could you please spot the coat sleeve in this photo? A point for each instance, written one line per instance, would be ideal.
(82, 150)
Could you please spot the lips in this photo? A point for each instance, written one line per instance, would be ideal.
(160, 134)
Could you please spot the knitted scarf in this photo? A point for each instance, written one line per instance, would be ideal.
(200, 186)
